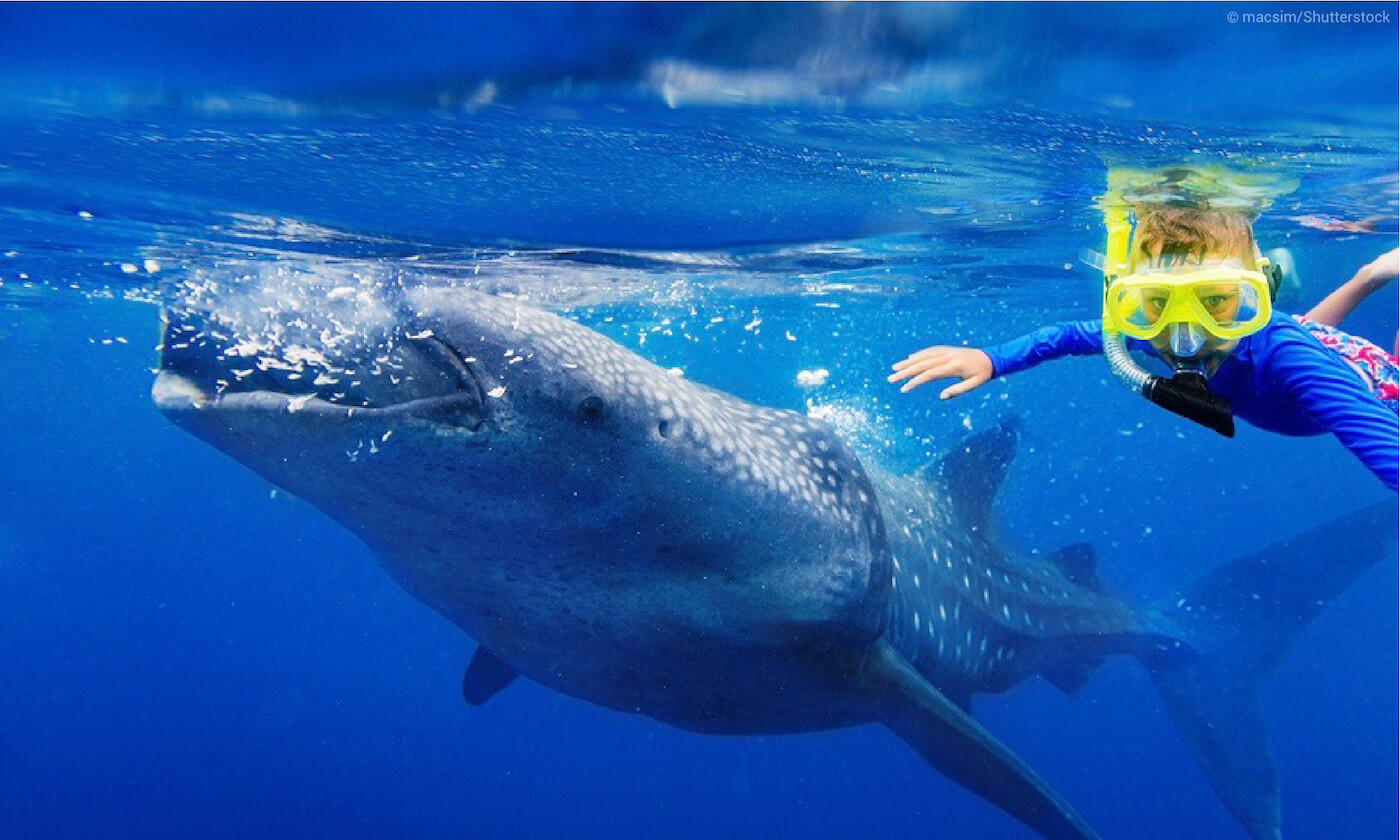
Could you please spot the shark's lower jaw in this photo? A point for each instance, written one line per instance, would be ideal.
(175, 393)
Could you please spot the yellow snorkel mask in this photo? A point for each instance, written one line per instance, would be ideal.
(1225, 301)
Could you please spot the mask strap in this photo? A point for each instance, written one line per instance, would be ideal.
(1272, 273)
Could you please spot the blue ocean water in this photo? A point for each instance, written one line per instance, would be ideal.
(743, 192)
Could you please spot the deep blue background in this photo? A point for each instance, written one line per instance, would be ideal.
(183, 652)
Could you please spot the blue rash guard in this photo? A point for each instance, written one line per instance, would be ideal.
(1280, 379)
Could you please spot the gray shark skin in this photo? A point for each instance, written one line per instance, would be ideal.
(640, 541)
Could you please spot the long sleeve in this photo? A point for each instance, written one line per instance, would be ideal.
(1067, 338)
(1330, 394)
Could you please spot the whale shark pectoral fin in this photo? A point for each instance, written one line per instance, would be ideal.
(960, 748)
(485, 677)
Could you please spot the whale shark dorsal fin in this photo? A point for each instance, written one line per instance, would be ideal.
(485, 677)
(974, 470)
(1079, 563)
(959, 747)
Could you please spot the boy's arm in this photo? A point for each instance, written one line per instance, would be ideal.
(1067, 338)
(1334, 397)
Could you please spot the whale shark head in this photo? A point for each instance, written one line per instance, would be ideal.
(444, 397)
(502, 459)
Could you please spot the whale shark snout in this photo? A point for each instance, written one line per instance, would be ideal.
(204, 362)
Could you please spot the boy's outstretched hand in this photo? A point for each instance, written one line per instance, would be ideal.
(969, 364)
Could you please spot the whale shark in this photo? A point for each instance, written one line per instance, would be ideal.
(621, 534)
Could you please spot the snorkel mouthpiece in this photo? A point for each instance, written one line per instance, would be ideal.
(1186, 394)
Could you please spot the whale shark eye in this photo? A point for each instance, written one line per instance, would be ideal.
(590, 409)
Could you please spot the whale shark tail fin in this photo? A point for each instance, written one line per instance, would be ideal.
(1237, 622)
(950, 739)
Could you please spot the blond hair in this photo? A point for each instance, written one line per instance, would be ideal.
(1192, 232)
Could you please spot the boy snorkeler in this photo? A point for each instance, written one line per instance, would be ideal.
(1188, 286)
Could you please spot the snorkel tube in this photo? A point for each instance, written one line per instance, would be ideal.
(1185, 393)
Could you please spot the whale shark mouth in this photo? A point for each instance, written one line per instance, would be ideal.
(399, 375)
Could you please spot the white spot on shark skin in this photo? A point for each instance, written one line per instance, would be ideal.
(942, 613)
(916, 621)
(295, 404)
(497, 392)
(916, 581)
